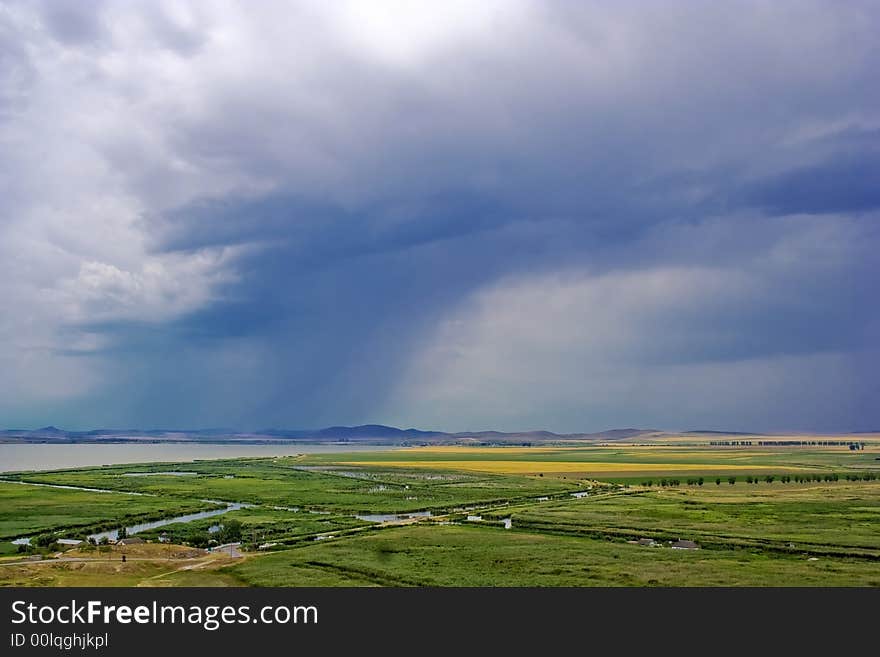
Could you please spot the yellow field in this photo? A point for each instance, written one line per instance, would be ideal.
(561, 467)
(655, 451)
(452, 449)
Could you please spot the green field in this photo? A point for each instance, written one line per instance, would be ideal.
(26, 510)
(263, 524)
(791, 516)
(475, 556)
(839, 518)
(283, 482)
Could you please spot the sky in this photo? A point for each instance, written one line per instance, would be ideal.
(503, 215)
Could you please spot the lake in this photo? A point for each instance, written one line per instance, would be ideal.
(14, 457)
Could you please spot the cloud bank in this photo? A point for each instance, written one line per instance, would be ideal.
(569, 216)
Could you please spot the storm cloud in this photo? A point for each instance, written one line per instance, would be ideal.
(520, 215)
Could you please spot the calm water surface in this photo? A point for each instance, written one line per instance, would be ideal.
(53, 457)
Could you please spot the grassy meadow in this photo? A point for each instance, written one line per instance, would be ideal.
(423, 555)
(761, 515)
(27, 510)
(290, 482)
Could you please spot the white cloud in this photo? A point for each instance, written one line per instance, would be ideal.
(162, 289)
(407, 32)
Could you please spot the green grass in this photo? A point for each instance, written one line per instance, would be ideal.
(263, 525)
(746, 531)
(28, 510)
(840, 516)
(280, 483)
(423, 555)
(8, 549)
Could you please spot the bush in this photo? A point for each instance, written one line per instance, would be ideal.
(230, 532)
(44, 540)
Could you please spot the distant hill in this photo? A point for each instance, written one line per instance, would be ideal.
(366, 434)
(365, 431)
(707, 432)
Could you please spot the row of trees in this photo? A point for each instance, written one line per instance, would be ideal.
(785, 479)
(229, 532)
(787, 443)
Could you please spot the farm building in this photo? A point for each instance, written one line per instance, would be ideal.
(133, 540)
(685, 545)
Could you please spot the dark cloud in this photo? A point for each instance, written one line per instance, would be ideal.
(309, 203)
(848, 183)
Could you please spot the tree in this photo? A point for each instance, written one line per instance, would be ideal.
(718, 481)
(230, 532)
(700, 481)
(731, 480)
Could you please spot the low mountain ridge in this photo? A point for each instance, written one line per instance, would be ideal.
(366, 433)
